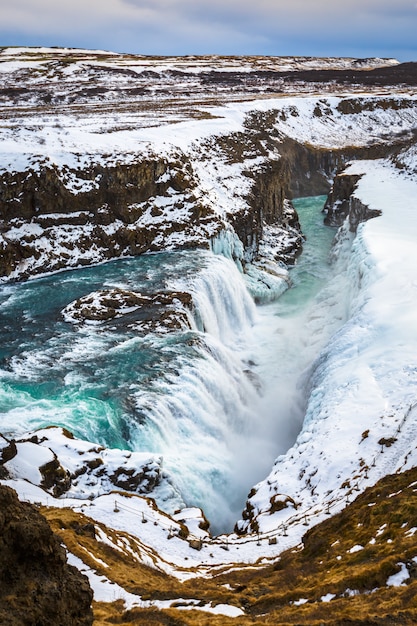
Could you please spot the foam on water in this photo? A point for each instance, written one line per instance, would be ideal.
(219, 401)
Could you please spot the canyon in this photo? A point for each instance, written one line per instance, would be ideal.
(115, 159)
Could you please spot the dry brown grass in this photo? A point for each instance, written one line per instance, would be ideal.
(380, 520)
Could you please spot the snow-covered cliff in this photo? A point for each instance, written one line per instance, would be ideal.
(106, 156)
(362, 397)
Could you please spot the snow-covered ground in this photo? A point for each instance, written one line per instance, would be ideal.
(361, 418)
(360, 421)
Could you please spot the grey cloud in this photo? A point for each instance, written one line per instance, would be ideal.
(222, 26)
(269, 18)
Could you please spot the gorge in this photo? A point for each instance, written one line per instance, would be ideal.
(188, 389)
(185, 374)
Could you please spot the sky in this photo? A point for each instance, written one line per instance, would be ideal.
(354, 28)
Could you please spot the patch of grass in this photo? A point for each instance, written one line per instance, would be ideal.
(349, 556)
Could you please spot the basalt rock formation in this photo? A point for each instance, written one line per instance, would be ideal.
(52, 219)
(341, 202)
(339, 199)
(37, 586)
(48, 223)
(46, 191)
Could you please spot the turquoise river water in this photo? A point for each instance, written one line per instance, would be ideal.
(218, 400)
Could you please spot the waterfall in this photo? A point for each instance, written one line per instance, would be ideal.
(216, 400)
(265, 279)
(223, 306)
(200, 416)
(228, 244)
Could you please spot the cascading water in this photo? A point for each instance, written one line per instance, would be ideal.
(218, 400)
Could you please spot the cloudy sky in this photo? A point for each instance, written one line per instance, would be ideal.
(357, 28)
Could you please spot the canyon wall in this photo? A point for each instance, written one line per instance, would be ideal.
(341, 203)
(55, 218)
(63, 205)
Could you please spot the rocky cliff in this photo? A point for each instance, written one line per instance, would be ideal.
(341, 202)
(52, 218)
(37, 586)
(59, 217)
(82, 181)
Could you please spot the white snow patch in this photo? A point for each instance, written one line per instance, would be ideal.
(356, 548)
(398, 580)
(328, 597)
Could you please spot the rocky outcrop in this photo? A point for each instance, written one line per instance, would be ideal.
(341, 202)
(360, 212)
(37, 586)
(8, 451)
(54, 218)
(310, 169)
(109, 207)
(159, 311)
(338, 201)
(66, 466)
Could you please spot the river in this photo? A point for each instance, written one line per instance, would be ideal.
(219, 399)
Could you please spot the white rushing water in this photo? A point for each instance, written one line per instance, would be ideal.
(219, 401)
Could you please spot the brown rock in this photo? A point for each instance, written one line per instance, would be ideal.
(37, 586)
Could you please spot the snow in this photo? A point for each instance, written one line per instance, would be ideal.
(190, 64)
(27, 461)
(328, 597)
(70, 140)
(364, 379)
(354, 549)
(398, 580)
(105, 590)
(381, 530)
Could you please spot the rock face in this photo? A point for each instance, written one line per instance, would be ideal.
(54, 218)
(341, 202)
(338, 201)
(37, 586)
(46, 191)
(160, 311)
